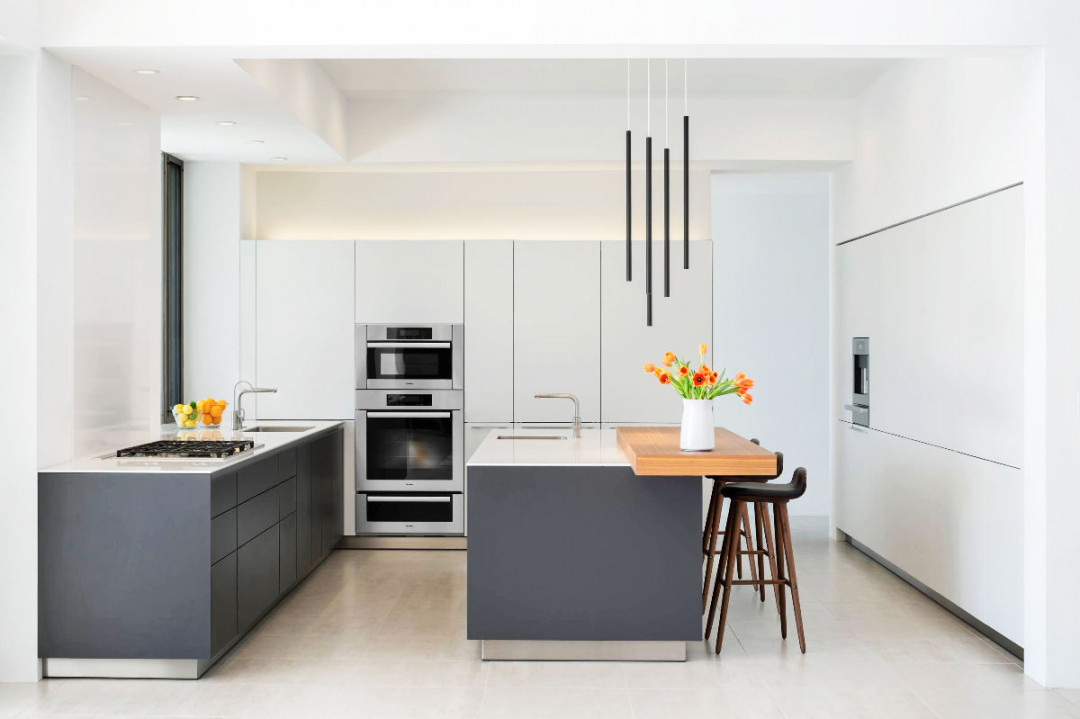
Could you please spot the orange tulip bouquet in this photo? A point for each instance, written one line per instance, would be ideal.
(697, 387)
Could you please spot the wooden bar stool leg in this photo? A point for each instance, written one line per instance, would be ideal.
(735, 509)
(707, 532)
(714, 530)
(782, 509)
(779, 548)
(770, 551)
(749, 543)
(731, 538)
(760, 547)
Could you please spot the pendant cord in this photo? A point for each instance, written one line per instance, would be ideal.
(666, 113)
(648, 98)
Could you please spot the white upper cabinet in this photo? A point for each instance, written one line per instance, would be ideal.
(304, 338)
(409, 281)
(681, 322)
(489, 331)
(556, 329)
(941, 299)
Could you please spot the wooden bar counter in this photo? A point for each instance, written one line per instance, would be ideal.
(654, 451)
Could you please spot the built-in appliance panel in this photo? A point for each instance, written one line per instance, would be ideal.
(409, 513)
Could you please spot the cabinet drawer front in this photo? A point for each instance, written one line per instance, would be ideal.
(223, 620)
(256, 515)
(257, 577)
(222, 535)
(222, 493)
(287, 554)
(256, 478)
(286, 498)
(287, 464)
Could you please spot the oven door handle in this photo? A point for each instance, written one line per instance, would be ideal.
(408, 415)
(408, 499)
(406, 345)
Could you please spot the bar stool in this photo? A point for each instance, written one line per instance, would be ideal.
(778, 495)
(712, 531)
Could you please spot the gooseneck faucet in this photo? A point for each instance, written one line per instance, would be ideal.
(577, 407)
(238, 411)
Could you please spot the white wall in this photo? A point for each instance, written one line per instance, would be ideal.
(18, 367)
(117, 268)
(930, 133)
(530, 204)
(212, 225)
(771, 316)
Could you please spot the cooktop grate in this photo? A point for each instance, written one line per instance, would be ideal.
(217, 449)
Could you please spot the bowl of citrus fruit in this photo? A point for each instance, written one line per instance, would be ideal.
(201, 413)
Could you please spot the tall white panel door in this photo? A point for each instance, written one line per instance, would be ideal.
(409, 281)
(489, 331)
(681, 322)
(556, 329)
(304, 329)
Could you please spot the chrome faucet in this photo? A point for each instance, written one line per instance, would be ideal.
(238, 411)
(577, 407)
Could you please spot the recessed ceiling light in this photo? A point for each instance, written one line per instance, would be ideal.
(279, 159)
(226, 123)
(255, 142)
(187, 98)
(125, 123)
(82, 98)
(148, 72)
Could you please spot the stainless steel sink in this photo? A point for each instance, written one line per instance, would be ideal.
(532, 436)
(277, 429)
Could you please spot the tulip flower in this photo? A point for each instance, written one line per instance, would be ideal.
(669, 359)
(699, 379)
(684, 370)
(665, 378)
(649, 367)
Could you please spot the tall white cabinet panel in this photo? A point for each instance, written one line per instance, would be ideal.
(489, 331)
(556, 329)
(409, 281)
(941, 299)
(681, 322)
(304, 329)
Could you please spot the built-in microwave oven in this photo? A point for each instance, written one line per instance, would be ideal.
(409, 356)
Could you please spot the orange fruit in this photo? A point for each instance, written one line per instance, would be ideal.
(217, 419)
(215, 411)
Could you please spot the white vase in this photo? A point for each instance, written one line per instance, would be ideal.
(698, 433)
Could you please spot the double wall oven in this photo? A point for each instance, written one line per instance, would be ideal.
(410, 473)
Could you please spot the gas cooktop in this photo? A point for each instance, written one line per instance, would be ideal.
(216, 449)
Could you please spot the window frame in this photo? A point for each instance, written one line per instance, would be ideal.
(172, 289)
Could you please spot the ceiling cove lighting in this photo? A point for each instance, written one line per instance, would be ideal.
(187, 98)
(648, 193)
(147, 72)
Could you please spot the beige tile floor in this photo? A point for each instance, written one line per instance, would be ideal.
(381, 635)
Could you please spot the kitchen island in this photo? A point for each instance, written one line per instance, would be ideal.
(156, 567)
(573, 555)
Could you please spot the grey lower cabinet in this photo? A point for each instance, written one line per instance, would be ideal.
(215, 553)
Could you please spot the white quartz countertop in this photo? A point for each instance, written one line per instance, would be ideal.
(596, 447)
(265, 443)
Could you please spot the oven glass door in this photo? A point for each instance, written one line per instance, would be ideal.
(410, 446)
(415, 361)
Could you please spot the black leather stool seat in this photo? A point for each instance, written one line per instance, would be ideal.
(764, 492)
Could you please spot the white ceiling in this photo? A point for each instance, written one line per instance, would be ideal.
(227, 92)
(731, 78)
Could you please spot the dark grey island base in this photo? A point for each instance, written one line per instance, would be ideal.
(158, 574)
(583, 562)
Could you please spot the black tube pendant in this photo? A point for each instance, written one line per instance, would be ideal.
(667, 222)
(648, 231)
(686, 192)
(629, 215)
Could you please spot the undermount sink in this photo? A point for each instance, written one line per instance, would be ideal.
(532, 436)
(277, 429)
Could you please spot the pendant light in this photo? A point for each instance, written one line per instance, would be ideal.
(686, 169)
(648, 196)
(629, 215)
(667, 192)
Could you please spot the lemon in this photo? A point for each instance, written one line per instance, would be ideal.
(178, 408)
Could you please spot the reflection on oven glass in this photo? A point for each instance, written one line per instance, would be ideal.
(402, 448)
